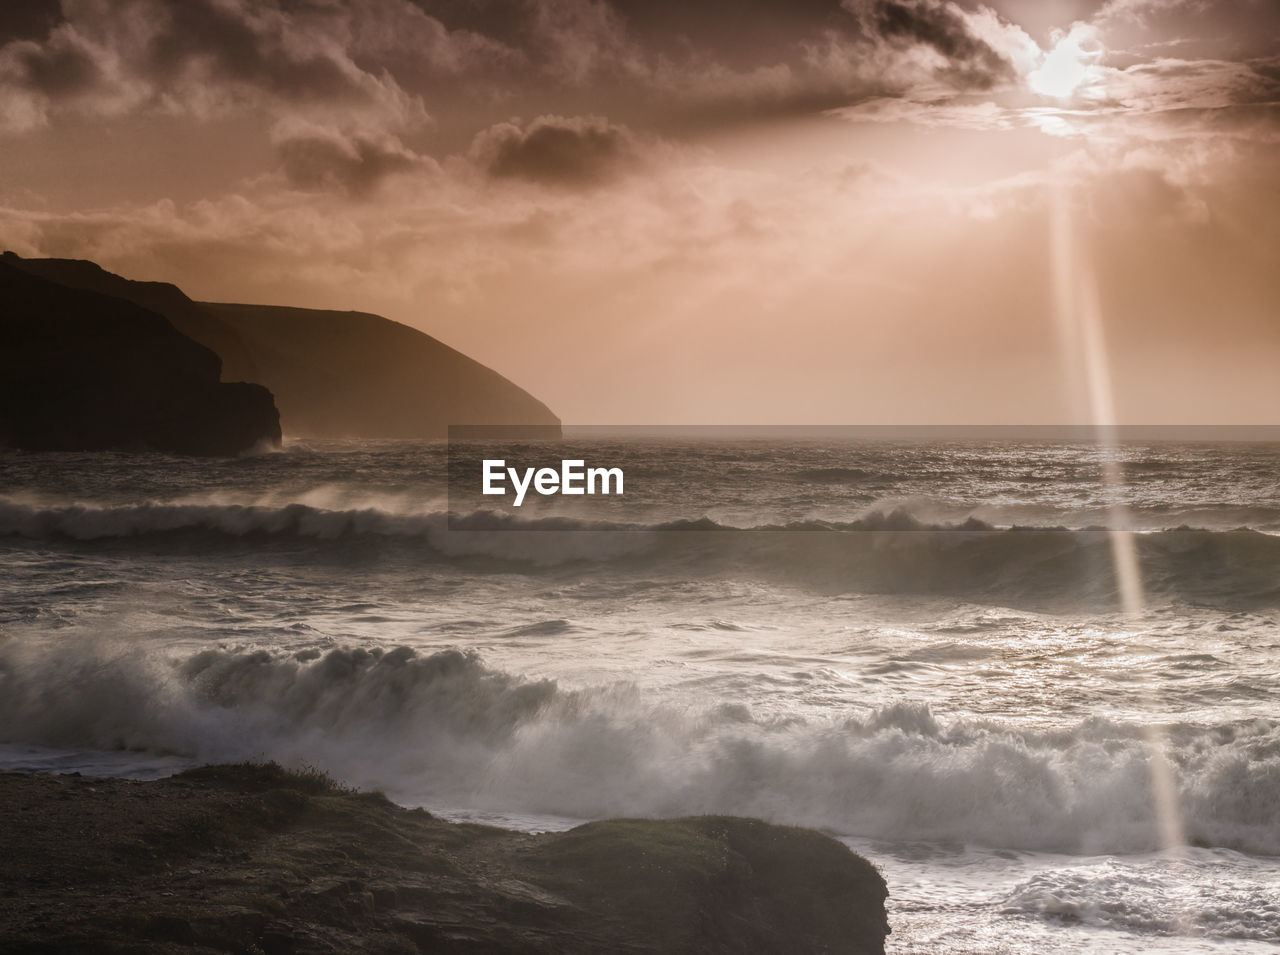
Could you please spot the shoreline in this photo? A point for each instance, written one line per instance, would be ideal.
(254, 858)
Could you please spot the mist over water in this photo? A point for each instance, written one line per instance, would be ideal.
(917, 646)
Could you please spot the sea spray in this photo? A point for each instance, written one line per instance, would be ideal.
(444, 727)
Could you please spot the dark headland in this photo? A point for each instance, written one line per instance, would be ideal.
(332, 374)
(82, 371)
(256, 859)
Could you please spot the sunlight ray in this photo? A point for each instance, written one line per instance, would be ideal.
(1080, 321)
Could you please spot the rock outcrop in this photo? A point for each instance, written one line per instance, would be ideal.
(81, 371)
(255, 859)
(333, 374)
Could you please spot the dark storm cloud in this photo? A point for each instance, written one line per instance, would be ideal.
(405, 57)
(556, 150)
(56, 71)
(740, 34)
(229, 45)
(782, 55)
(967, 60)
(735, 62)
(670, 67)
(971, 62)
(323, 158)
(195, 57)
(28, 19)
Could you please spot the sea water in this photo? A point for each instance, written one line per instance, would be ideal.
(915, 644)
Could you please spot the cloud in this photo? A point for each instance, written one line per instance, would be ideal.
(857, 50)
(69, 66)
(63, 67)
(579, 39)
(315, 157)
(1166, 84)
(557, 150)
(1140, 193)
(402, 38)
(672, 65)
(961, 48)
(1163, 98)
(31, 19)
(202, 58)
(1136, 10)
(388, 62)
(968, 60)
(1235, 30)
(985, 116)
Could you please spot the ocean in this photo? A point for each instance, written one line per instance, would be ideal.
(914, 642)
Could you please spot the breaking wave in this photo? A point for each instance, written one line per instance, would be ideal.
(445, 729)
(882, 551)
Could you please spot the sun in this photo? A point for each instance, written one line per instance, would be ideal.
(1067, 66)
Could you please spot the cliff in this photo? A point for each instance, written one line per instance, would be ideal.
(254, 859)
(352, 373)
(80, 371)
(162, 298)
(333, 374)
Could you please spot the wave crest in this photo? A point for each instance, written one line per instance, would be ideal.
(889, 551)
(445, 729)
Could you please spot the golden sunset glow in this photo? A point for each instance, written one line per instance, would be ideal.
(597, 196)
(640, 475)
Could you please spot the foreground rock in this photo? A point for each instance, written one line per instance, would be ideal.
(80, 371)
(254, 859)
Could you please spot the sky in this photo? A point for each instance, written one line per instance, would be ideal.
(669, 211)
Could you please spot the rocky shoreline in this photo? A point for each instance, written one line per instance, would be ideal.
(256, 859)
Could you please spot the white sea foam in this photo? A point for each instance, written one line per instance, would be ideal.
(1210, 894)
(444, 727)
